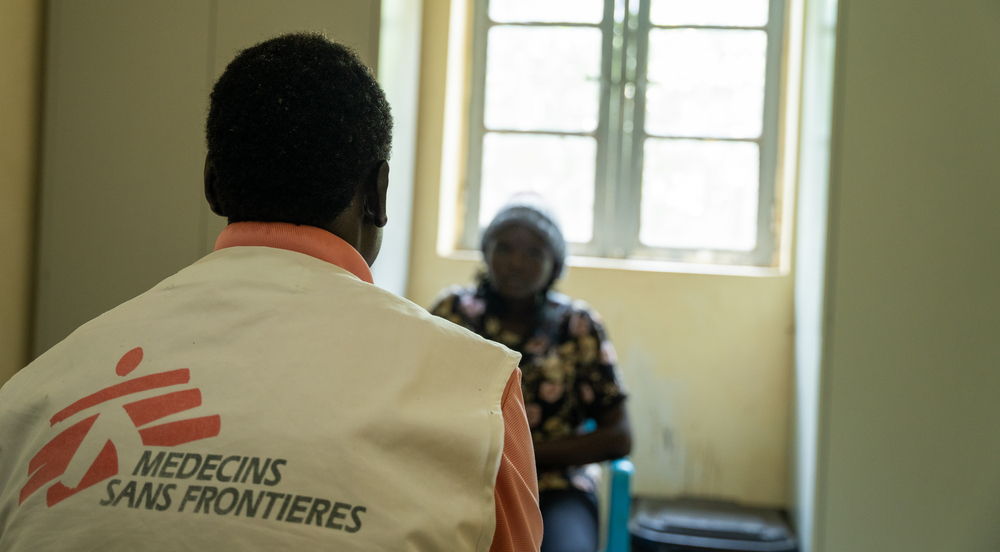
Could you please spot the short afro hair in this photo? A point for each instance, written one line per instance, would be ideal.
(295, 123)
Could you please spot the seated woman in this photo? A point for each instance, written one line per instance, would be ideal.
(568, 364)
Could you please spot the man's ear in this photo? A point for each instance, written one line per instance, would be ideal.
(375, 190)
(212, 188)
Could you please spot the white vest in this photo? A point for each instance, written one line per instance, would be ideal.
(259, 399)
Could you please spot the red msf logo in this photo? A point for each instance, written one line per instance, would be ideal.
(54, 458)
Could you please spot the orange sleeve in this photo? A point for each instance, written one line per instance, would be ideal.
(519, 522)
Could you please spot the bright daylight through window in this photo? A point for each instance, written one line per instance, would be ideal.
(649, 125)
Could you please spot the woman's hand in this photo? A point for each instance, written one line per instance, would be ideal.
(612, 439)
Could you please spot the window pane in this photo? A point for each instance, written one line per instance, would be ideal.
(706, 83)
(699, 194)
(559, 168)
(741, 13)
(543, 78)
(547, 11)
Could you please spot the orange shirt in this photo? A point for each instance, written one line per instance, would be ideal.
(518, 520)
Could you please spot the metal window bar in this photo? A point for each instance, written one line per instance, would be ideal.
(766, 245)
(469, 237)
(620, 136)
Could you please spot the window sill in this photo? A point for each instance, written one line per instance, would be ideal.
(645, 265)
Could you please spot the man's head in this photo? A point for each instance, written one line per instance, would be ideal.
(299, 131)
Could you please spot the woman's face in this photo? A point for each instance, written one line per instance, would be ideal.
(519, 262)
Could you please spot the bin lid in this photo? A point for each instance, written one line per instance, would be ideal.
(712, 524)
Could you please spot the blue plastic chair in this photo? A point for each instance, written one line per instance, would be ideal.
(617, 537)
(618, 474)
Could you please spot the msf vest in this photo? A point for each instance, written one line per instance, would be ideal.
(260, 399)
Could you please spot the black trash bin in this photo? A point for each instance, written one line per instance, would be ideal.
(703, 525)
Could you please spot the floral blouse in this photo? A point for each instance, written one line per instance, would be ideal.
(568, 373)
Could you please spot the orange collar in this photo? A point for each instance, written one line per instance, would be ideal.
(308, 240)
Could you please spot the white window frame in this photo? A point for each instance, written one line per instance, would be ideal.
(619, 154)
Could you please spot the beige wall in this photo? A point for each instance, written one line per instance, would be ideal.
(20, 55)
(909, 456)
(707, 358)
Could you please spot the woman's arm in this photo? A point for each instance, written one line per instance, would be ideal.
(612, 439)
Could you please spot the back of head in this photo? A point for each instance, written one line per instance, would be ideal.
(295, 123)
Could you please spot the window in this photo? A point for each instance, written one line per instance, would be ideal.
(650, 125)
